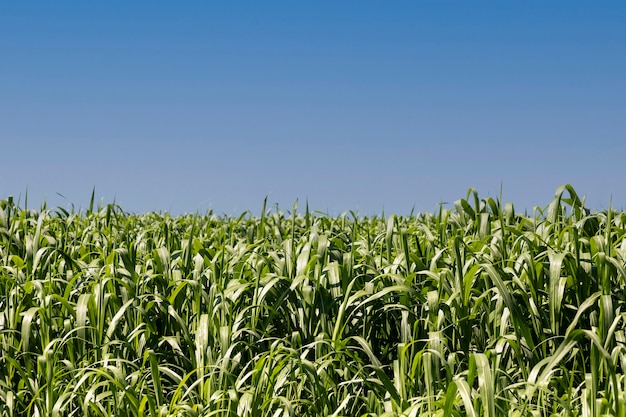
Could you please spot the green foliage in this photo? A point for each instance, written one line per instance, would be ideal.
(476, 311)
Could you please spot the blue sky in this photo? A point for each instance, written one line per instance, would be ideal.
(353, 105)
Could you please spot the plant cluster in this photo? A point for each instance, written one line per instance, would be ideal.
(471, 311)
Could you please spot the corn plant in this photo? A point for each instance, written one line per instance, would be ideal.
(471, 310)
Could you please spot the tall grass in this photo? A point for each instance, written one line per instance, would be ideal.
(477, 310)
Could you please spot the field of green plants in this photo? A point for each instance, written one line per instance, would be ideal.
(474, 310)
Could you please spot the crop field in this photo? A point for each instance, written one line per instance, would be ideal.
(475, 310)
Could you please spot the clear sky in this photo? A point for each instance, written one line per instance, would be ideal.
(353, 105)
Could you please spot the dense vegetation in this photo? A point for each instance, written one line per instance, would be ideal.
(476, 311)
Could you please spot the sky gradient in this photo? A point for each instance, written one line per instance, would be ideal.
(351, 105)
